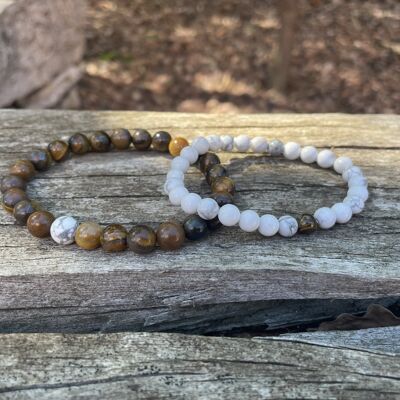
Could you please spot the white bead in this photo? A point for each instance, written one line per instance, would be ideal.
(190, 153)
(325, 217)
(63, 230)
(350, 172)
(242, 143)
(343, 212)
(309, 154)
(356, 204)
(341, 164)
(180, 163)
(259, 144)
(287, 226)
(249, 221)
(291, 150)
(175, 174)
(201, 145)
(227, 143)
(326, 158)
(269, 225)
(171, 184)
(358, 191)
(358, 180)
(215, 142)
(275, 148)
(176, 195)
(229, 215)
(190, 203)
(207, 208)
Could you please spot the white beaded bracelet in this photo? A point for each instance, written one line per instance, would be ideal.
(249, 220)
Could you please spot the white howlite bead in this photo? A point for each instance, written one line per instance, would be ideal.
(308, 154)
(269, 225)
(201, 145)
(358, 191)
(259, 144)
(190, 203)
(175, 174)
(63, 230)
(171, 184)
(343, 212)
(180, 163)
(341, 164)
(326, 158)
(176, 195)
(356, 204)
(325, 217)
(207, 208)
(227, 143)
(215, 142)
(350, 172)
(291, 150)
(287, 226)
(242, 143)
(249, 221)
(229, 215)
(190, 153)
(275, 148)
(358, 180)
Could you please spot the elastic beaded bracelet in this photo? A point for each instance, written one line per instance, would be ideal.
(249, 220)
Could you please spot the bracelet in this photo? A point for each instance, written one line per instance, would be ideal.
(249, 221)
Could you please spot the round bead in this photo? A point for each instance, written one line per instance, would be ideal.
(190, 153)
(269, 225)
(177, 194)
(141, 139)
(88, 234)
(161, 141)
(287, 226)
(59, 150)
(358, 180)
(356, 204)
(170, 235)
(343, 212)
(175, 174)
(259, 144)
(121, 138)
(208, 160)
(326, 158)
(308, 154)
(341, 164)
(40, 159)
(195, 227)
(141, 239)
(39, 223)
(350, 172)
(216, 171)
(214, 142)
(79, 144)
(63, 230)
(242, 143)
(325, 217)
(23, 210)
(24, 169)
(201, 145)
(171, 184)
(222, 198)
(100, 142)
(229, 215)
(190, 203)
(113, 238)
(180, 163)
(249, 221)
(358, 191)
(276, 148)
(12, 181)
(307, 224)
(226, 143)
(223, 184)
(207, 208)
(291, 150)
(12, 197)
(176, 145)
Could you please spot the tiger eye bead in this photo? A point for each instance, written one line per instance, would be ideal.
(214, 172)
(88, 234)
(39, 223)
(113, 238)
(142, 239)
(59, 150)
(12, 197)
(24, 169)
(120, 138)
(207, 161)
(176, 145)
(223, 184)
(195, 227)
(141, 139)
(41, 159)
(12, 181)
(170, 235)
(100, 142)
(79, 143)
(307, 224)
(23, 210)
(161, 141)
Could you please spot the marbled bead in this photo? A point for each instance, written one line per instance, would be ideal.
(208, 160)
(249, 221)
(215, 142)
(207, 208)
(259, 144)
(176, 145)
(88, 235)
(141, 139)
(63, 230)
(180, 163)
(269, 225)
(291, 150)
(341, 164)
(307, 224)
(229, 215)
(358, 180)
(142, 239)
(201, 145)
(242, 143)
(12, 197)
(275, 148)
(190, 153)
(171, 184)
(23, 210)
(350, 172)
(343, 212)
(161, 141)
(79, 143)
(40, 159)
(113, 238)
(325, 217)
(326, 158)
(190, 202)
(39, 223)
(226, 143)
(216, 171)
(308, 154)
(195, 227)
(175, 174)
(170, 235)
(121, 138)
(287, 226)
(223, 184)
(100, 142)
(356, 204)
(23, 168)
(59, 150)
(177, 194)
(12, 181)
(358, 191)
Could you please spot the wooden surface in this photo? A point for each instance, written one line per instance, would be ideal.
(231, 279)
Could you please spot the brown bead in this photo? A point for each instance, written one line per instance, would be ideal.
(39, 223)
(223, 184)
(120, 138)
(141, 139)
(161, 141)
(41, 159)
(12, 197)
(12, 181)
(113, 238)
(216, 171)
(176, 145)
(88, 234)
(23, 210)
(307, 224)
(142, 239)
(59, 150)
(24, 169)
(79, 143)
(170, 235)
(100, 142)
(207, 161)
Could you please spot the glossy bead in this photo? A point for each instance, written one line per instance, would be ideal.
(121, 138)
(177, 194)
(79, 143)
(215, 142)
(291, 150)
(249, 221)
(170, 235)
(12, 181)
(190, 153)
(171, 184)
(180, 163)
(88, 235)
(356, 204)
(142, 239)
(259, 144)
(201, 145)
(216, 171)
(190, 202)
(195, 227)
(176, 145)
(24, 169)
(208, 160)
(358, 191)
(227, 143)
(341, 164)
(222, 198)
(242, 143)
(141, 139)
(63, 230)
(358, 180)
(326, 158)
(343, 212)
(229, 215)
(113, 238)
(308, 154)
(59, 150)
(161, 141)
(175, 174)
(275, 148)
(23, 210)
(269, 225)
(287, 226)
(325, 217)
(39, 223)
(207, 208)
(223, 184)
(100, 142)
(307, 224)
(12, 197)
(40, 159)
(351, 172)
